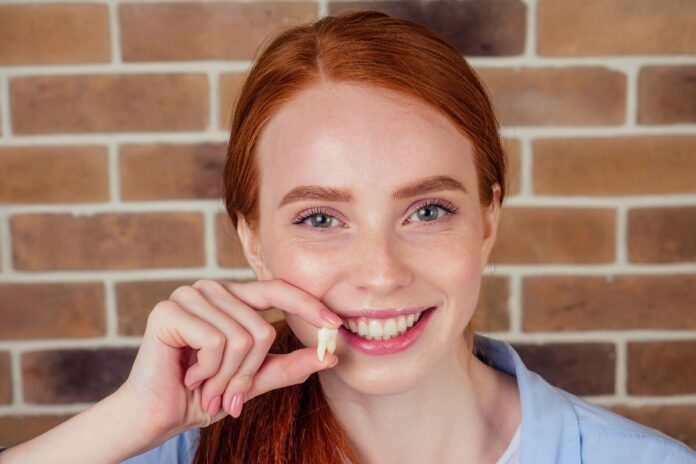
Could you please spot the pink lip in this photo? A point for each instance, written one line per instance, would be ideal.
(382, 313)
(394, 344)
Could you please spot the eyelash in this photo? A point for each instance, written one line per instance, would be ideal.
(449, 208)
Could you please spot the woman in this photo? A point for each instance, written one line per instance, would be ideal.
(365, 177)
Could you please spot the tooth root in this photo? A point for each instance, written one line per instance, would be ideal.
(321, 350)
(326, 337)
(331, 345)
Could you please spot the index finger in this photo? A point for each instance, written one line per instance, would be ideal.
(277, 293)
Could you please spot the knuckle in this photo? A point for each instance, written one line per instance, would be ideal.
(205, 284)
(267, 334)
(242, 342)
(216, 341)
(182, 292)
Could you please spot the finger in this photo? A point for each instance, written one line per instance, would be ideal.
(281, 370)
(277, 293)
(238, 341)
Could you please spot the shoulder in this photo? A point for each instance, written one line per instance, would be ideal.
(178, 449)
(615, 438)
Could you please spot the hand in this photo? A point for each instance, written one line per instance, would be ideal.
(208, 343)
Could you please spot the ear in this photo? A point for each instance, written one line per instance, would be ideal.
(491, 218)
(251, 245)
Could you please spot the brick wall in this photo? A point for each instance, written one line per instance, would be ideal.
(113, 121)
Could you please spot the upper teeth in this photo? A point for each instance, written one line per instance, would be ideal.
(381, 329)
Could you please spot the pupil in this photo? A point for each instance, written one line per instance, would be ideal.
(428, 208)
(317, 221)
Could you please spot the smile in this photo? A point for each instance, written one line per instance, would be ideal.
(381, 329)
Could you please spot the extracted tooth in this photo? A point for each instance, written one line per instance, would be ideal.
(327, 340)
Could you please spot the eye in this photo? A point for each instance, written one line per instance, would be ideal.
(319, 218)
(428, 211)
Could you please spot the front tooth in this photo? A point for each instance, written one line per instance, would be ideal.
(375, 329)
(362, 328)
(390, 328)
(401, 324)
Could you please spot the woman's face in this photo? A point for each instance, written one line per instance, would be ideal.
(366, 248)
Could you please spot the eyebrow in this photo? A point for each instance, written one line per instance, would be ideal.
(420, 187)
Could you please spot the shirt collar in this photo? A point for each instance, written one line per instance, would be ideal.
(550, 430)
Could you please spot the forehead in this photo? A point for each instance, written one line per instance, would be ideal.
(358, 137)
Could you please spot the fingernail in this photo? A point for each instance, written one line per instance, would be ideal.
(333, 361)
(331, 317)
(236, 405)
(214, 405)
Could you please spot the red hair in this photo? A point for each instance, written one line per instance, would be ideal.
(295, 424)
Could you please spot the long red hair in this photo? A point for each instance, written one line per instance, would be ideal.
(295, 424)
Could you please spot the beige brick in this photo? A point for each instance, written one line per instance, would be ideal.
(108, 103)
(667, 94)
(661, 367)
(559, 96)
(566, 303)
(662, 234)
(54, 34)
(43, 242)
(615, 165)
(179, 31)
(54, 174)
(549, 235)
(52, 310)
(618, 27)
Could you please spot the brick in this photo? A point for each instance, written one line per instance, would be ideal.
(619, 27)
(677, 421)
(52, 310)
(667, 94)
(229, 87)
(662, 234)
(54, 174)
(566, 303)
(538, 235)
(492, 312)
(661, 367)
(579, 368)
(615, 165)
(513, 149)
(475, 27)
(5, 379)
(16, 429)
(171, 171)
(109, 103)
(54, 34)
(136, 299)
(565, 96)
(229, 249)
(110, 241)
(74, 376)
(204, 31)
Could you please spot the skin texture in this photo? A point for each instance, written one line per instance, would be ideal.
(432, 402)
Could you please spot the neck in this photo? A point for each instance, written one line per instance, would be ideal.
(462, 411)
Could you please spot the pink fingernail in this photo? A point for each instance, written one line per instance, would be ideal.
(331, 317)
(236, 406)
(214, 405)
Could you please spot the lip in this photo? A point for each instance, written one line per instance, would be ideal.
(385, 313)
(392, 345)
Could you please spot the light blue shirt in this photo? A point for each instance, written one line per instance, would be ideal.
(557, 427)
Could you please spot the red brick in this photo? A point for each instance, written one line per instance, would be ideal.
(44, 242)
(662, 367)
(109, 103)
(662, 235)
(18, 429)
(513, 150)
(666, 94)
(52, 310)
(550, 235)
(493, 312)
(54, 174)
(54, 34)
(615, 165)
(229, 249)
(229, 85)
(566, 96)
(204, 31)
(618, 27)
(566, 303)
(5, 379)
(678, 421)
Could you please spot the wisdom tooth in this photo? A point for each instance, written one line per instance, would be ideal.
(327, 341)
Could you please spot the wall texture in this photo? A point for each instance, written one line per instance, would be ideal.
(113, 121)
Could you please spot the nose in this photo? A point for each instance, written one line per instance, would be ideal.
(379, 265)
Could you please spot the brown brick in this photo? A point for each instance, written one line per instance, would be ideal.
(109, 103)
(667, 94)
(566, 96)
(678, 421)
(74, 376)
(54, 174)
(530, 235)
(619, 27)
(107, 241)
(662, 367)
(52, 310)
(172, 171)
(514, 149)
(662, 235)
(135, 300)
(229, 248)
(560, 303)
(615, 165)
(492, 312)
(54, 34)
(229, 87)
(475, 27)
(22, 428)
(580, 368)
(204, 31)
(5, 379)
